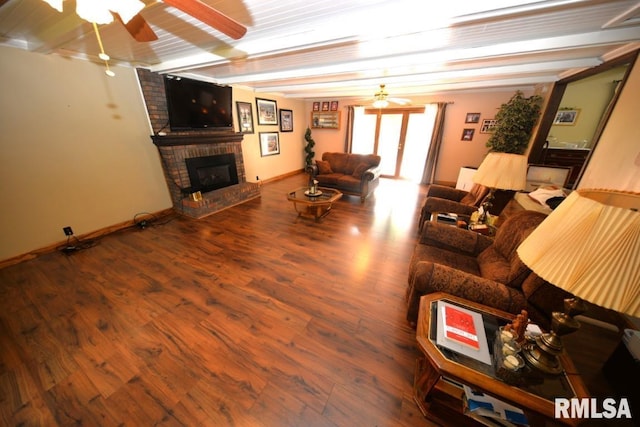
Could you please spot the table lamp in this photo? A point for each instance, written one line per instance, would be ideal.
(590, 247)
(501, 171)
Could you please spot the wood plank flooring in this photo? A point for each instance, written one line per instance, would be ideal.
(249, 317)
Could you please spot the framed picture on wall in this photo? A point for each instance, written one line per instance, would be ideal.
(286, 120)
(267, 111)
(467, 134)
(487, 125)
(269, 143)
(566, 117)
(472, 118)
(245, 117)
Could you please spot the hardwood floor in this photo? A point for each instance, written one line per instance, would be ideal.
(249, 317)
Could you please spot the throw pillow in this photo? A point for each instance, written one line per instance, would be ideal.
(324, 167)
(359, 170)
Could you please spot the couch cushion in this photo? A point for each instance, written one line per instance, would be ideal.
(324, 167)
(500, 262)
(348, 182)
(329, 180)
(338, 161)
(359, 170)
(441, 256)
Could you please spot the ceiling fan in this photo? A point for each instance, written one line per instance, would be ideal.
(127, 12)
(381, 99)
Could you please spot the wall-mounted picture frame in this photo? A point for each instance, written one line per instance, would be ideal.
(472, 118)
(286, 120)
(487, 125)
(245, 117)
(325, 106)
(334, 105)
(316, 106)
(467, 134)
(269, 143)
(325, 120)
(267, 111)
(566, 117)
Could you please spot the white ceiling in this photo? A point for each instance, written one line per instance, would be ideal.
(318, 49)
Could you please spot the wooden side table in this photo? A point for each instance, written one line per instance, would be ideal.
(440, 372)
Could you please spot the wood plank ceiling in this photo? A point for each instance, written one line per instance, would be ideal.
(315, 49)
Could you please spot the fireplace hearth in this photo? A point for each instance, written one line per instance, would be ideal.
(210, 163)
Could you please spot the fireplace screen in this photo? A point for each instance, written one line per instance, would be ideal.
(212, 172)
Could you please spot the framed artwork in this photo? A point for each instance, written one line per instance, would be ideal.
(487, 125)
(316, 106)
(267, 111)
(286, 120)
(472, 118)
(325, 106)
(245, 117)
(269, 143)
(566, 117)
(334, 105)
(467, 134)
(325, 120)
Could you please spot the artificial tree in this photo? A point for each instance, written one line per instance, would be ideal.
(308, 149)
(514, 124)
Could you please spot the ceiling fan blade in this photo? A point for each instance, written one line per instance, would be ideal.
(210, 16)
(138, 28)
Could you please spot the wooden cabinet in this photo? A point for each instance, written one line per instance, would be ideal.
(574, 158)
(325, 119)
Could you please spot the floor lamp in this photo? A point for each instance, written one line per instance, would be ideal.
(590, 247)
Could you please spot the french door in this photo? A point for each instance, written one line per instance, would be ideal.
(400, 136)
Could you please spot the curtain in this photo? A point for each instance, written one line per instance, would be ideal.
(434, 149)
(348, 140)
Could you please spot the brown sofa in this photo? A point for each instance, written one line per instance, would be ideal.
(355, 174)
(443, 199)
(482, 269)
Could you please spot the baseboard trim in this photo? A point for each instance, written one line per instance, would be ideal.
(89, 236)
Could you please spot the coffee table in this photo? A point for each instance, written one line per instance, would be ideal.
(313, 206)
(440, 372)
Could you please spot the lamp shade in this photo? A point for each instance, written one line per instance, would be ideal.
(590, 246)
(503, 171)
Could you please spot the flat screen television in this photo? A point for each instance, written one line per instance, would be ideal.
(194, 104)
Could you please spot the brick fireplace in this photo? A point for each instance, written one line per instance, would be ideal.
(176, 147)
(175, 150)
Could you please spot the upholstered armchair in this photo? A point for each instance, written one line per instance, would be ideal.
(481, 269)
(443, 199)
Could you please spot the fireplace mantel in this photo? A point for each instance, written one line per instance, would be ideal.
(208, 138)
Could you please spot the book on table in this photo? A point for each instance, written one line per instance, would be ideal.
(462, 330)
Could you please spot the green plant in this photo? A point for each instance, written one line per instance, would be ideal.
(308, 149)
(514, 123)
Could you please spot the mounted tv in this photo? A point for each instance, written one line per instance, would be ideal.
(193, 104)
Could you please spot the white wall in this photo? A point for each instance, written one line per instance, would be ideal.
(75, 150)
(615, 163)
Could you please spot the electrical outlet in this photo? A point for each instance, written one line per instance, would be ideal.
(67, 231)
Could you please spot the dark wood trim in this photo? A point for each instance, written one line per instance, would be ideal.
(209, 138)
(88, 236)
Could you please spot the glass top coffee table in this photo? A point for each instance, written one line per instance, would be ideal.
(316, 205)
(441, 369)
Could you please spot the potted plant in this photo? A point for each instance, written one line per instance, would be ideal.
(308, 149)
(514, 123)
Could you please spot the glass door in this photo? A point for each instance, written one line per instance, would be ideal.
(400, 136)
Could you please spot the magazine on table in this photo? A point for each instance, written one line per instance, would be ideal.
(462, 330)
